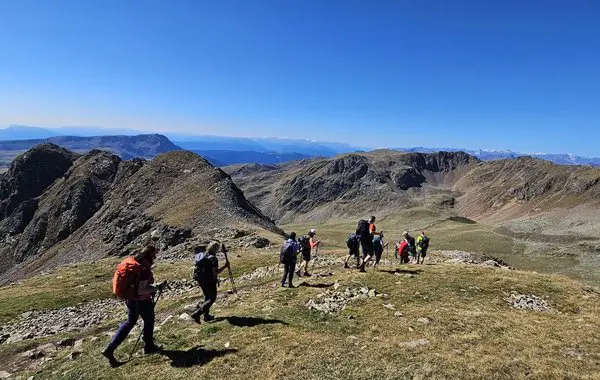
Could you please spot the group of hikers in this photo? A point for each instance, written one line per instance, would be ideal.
(133, 280)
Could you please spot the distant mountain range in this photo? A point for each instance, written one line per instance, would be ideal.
(223, 150)
(126, 147)
(490, 155)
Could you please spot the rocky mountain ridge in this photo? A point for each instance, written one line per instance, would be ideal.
(59, 207)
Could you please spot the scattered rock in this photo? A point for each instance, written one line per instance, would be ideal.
(529, 302)
(227, 345)
(74, 355)
(185, 317)
(190, 307)
(169, 317)
(415, 343)
(267, 309)
(4, 338)
(335, 301)
(26, 314)
(575, 354)
(389, 306)
(47, 348)
(28, 335)
(351, 317)
(4, 375)
(32, 354)
(424, 320)
(95, 338)
(352, 338)
(66, 342)
(398, 314)
(78, 344)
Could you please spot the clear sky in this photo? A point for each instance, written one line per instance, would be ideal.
(523, 75)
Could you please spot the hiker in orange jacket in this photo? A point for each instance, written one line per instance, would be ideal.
(139, 304)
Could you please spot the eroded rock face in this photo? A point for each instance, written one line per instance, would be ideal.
(29, 176)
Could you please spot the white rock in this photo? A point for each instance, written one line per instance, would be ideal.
(4, 375)
(78, 344)
(227, 345)
(169, 317)
(423, 320)
(398, 314)
(185, 317)
(389, 306)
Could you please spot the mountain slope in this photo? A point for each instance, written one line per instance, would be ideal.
(350, 185)
(98, 205)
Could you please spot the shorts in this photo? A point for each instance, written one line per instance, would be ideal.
(354, 252)
(423, 252)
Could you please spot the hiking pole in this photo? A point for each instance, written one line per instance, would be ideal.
(224, 250)
(160, 290)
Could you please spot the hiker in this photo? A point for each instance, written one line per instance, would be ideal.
(206, 270)
(402, 251)
(307, 243)
(422, 246)
(288, 257)
(134, 282)
(412, 246)
(353, 244)
(366, 230)
(378, 247)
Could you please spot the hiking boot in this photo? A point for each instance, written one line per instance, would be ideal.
(346, 266)
(152, 349)
(291, 286)
(306, 274)
(298, 273)
(110, 355)
(208, 318)
(196, 318)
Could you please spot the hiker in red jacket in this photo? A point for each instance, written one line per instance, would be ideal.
(139, 304)
(402, 250)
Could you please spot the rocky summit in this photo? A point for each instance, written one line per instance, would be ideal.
(59, 207)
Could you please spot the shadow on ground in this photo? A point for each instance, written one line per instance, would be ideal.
(249, 321)
(318, 286)
(402, 271)
(194, 356)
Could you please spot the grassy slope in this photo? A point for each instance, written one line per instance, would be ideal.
(473, 332)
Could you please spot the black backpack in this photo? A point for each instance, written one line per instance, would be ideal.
(203, 270)
(304, 244)
(362, 228)
(352, 241)
(424, 242)
(288, 251)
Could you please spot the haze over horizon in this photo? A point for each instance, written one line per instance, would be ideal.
(472, 75)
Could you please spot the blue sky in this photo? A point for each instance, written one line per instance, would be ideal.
(523, 75)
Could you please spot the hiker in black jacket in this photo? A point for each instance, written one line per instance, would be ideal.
(288, 257)
(206, 271)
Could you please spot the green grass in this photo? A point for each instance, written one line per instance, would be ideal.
(473, 333)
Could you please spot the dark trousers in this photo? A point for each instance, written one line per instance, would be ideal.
(367, 248)
(210, 296)
(135, 309)
(288, 271)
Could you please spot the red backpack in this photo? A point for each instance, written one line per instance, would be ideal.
(126, 279)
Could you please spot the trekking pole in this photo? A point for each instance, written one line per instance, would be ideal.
(224, 250)
(141, 332)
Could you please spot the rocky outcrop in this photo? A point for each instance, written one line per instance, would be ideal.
(87, 207)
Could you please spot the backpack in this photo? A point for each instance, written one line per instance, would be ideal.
(362, 228)
(288, 251)
(424, 243)
(126, 279)
(352, 241)
(203, 271)
(304, 243)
